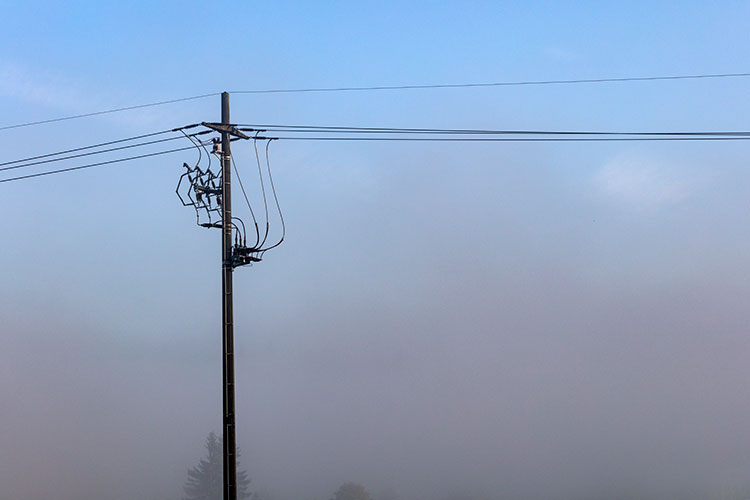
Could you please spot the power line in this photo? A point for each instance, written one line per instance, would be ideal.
(107, 111)
(388, 87)
(90, 153)
(495, 84)
(92, 165)
(509, 139)
(278, 207)
(402, 139)
(393, 130)
(407, 136)
(142, 136)
(406, 139)
(83, 148)
(247, 200)
(57, 156)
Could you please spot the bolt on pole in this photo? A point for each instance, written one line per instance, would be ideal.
(229, 438)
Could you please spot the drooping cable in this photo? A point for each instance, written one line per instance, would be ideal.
(276, 199)
(247, 201)
(202, 184)
(193, 175)
(208, 155)
(243, 241)
(263, 190)
(200, 153)
(239, 234)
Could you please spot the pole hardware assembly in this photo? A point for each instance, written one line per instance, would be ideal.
(225, 129)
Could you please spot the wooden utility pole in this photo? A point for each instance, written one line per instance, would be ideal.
(227, 317)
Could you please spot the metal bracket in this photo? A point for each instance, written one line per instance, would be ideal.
(225, 129)
(203, 189)
(242, 256)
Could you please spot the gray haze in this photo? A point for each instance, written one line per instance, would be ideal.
(427, 333)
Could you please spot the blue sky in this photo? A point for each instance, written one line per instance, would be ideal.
(495, 320)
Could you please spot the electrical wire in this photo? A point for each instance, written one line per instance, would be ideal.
(53, 157)
(208, 167)
(346, 135)
(107, 111)
(458, 131)
(73, 150)
(210, 180)
(200, 173)
(494, 84)
(92, 165)
(386, 87)
(276, 199)
(90, 153)
(513, 139)
(263, 189)
(247, 200)
(200, 153)
(244, 231)
(239, 235)
(409, 139)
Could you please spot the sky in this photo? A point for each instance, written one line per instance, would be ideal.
(443, 321)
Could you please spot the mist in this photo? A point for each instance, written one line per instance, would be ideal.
(427, 337)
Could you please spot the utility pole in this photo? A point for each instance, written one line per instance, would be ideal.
(227, 267)
(201, 186)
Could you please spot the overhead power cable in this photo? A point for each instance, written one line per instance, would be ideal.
(511, 139)
(263, 190)
(405, 139)
(278, 207)
(440, 131)
(494, 84)
(107, 111)
(365, 134)
(73, 150)
(92, 165)
(247, 200)
(388, 87)
(90, 153)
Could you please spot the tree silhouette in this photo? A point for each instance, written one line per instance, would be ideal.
(205, 481)
(351, 491)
